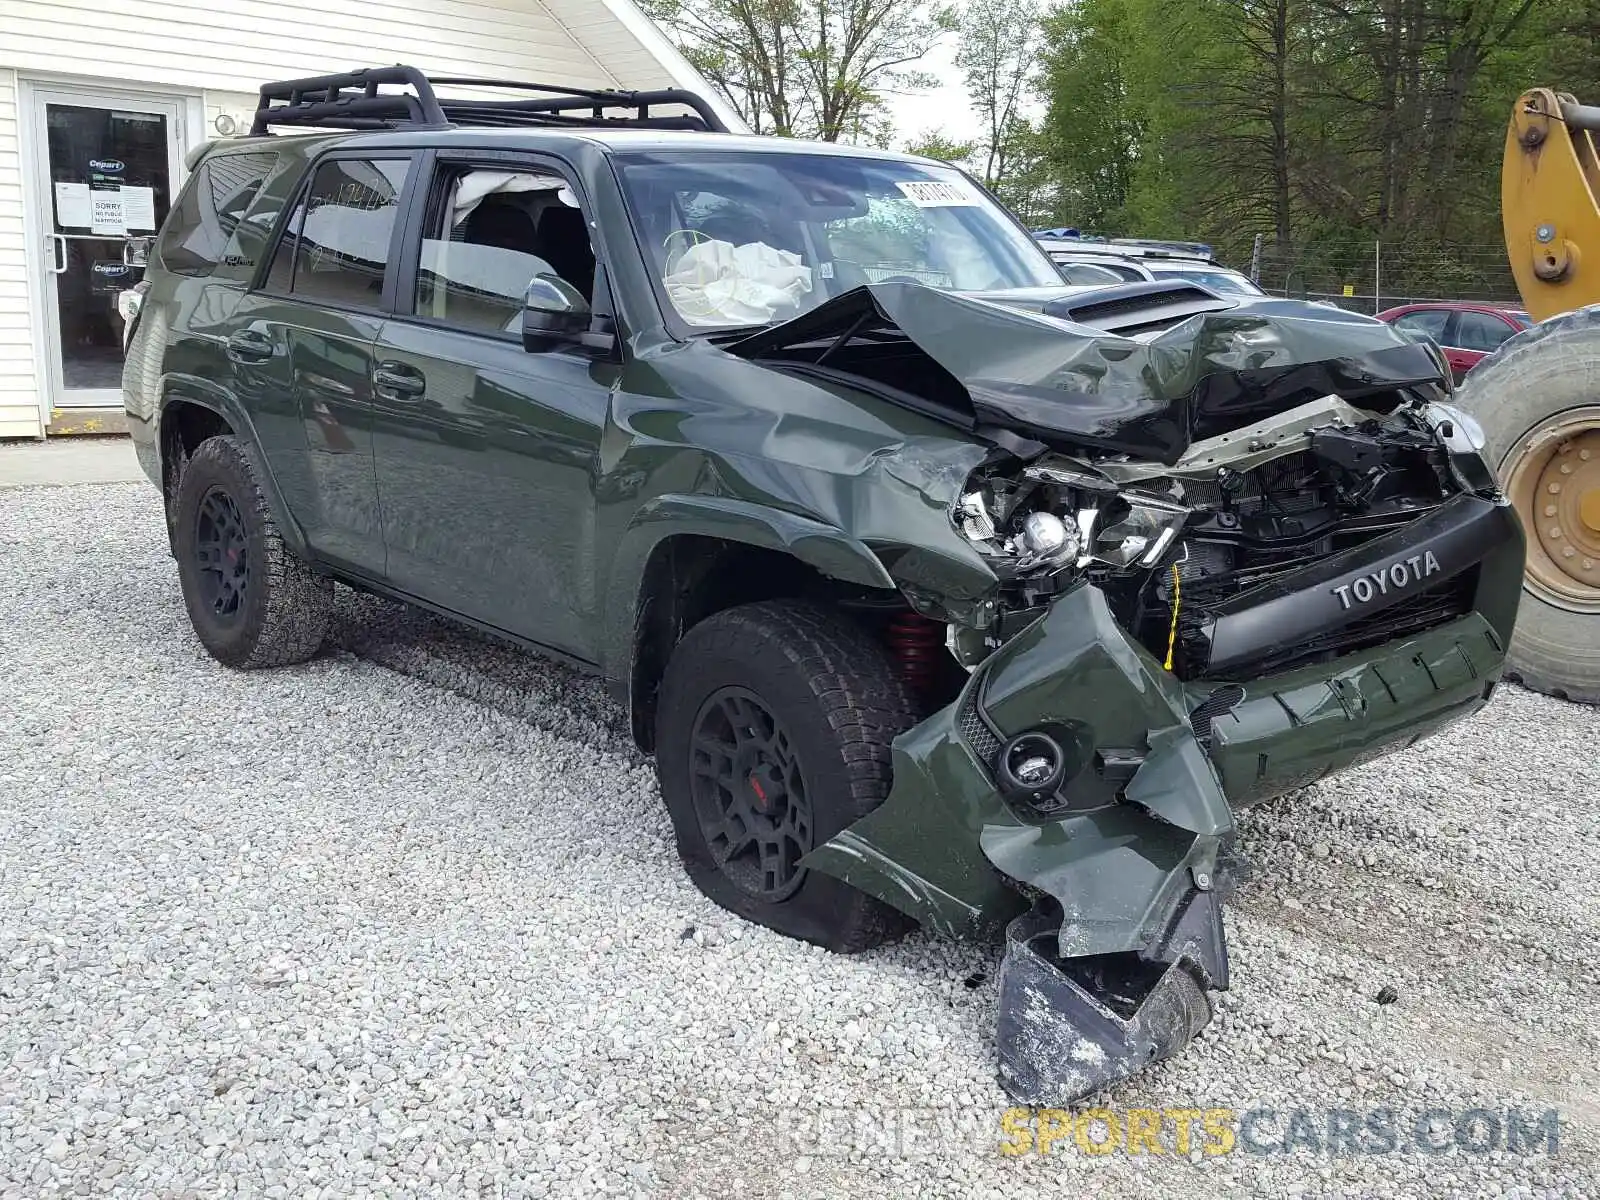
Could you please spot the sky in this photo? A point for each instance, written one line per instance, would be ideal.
(946, 108)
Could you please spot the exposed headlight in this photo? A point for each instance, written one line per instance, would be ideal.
(1040, 532)
(1046, 541)
(1465, 433)
(1141, 537)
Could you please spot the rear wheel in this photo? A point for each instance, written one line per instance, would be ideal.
(251, 601)
(1538, 400)
(772, 734)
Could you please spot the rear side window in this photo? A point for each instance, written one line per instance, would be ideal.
(208, 227)
(335, 248)
(1430, 321)
(1480, 331)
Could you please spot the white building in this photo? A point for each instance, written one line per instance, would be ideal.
(101, 99)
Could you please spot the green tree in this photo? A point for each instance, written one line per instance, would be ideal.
(996, 58)
(807, 68)
(1323, 125)
(1095, 123)
(933, 143)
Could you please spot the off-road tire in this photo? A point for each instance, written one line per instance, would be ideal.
(284, 610)
(837, 693)
(1542, 371)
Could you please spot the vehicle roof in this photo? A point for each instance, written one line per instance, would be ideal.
(549, 138)
(1093, 256)
(1189, 264)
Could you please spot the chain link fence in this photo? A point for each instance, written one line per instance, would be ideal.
(1370, 276)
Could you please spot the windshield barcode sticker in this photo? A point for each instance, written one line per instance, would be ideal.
(929, 194)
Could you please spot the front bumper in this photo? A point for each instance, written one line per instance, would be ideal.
(1156, 768)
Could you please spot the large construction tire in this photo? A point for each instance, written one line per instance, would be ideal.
(1538, 400)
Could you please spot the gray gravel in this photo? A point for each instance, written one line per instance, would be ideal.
(408, 920)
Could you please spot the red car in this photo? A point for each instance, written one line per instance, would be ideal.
(1466, 332)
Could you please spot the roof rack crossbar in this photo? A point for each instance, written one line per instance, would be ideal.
(352, 100)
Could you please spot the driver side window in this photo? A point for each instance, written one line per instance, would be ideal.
(488, 233)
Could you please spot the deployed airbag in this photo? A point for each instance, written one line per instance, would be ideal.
(718, 283)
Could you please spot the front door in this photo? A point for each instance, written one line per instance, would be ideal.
(487, 453)
(104, 169)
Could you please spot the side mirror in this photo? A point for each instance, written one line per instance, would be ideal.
(553, 311)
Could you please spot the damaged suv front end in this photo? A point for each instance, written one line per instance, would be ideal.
(1234, 547)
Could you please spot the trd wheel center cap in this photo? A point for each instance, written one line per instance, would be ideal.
(766, 788)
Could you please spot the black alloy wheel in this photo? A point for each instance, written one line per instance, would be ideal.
(222, 555)
(774, 729)
(750, 794)
(252, 602)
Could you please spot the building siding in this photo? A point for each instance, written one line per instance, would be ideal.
(19, 391)
(221, 51)
(234, 45)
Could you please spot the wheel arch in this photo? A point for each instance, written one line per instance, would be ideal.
(192, 410)
(685, 558)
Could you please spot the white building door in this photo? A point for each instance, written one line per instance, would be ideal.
(104, 169)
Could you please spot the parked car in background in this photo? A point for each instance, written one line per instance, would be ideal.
(1134, 260)
(1089, 274)
(1467, 333)
(1215, 276)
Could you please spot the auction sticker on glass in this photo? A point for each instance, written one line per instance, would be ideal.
(934, 193)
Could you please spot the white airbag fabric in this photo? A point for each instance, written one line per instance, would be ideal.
(718, 283)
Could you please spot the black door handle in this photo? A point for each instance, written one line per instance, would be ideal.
(249, 346)
(398, 380)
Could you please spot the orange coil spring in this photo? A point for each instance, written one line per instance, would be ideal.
(916, 642)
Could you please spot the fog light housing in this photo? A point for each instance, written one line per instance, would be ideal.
(1030, 767)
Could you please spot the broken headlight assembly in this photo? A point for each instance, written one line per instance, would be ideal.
(1060, 520)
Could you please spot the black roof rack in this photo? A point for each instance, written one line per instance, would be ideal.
(353, 100)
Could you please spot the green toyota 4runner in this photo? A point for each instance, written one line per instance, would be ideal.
(942, 592)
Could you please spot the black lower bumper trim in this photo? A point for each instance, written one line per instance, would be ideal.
(1069, 1028)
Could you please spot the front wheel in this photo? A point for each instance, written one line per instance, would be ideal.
(772, 734)
(251, 601)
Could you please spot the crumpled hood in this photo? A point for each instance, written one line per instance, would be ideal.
(1093, 367)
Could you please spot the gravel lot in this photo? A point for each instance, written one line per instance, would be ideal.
(408, 919)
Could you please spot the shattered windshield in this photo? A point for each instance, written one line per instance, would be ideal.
(739, 238)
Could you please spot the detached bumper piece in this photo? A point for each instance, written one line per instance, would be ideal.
(1070, 1027)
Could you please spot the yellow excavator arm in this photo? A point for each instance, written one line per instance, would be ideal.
(1548, 188)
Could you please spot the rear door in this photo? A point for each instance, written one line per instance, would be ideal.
(1478, 334)
(487, 452)
(301, 348)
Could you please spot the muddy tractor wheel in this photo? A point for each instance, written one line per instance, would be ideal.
(1538, 400)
